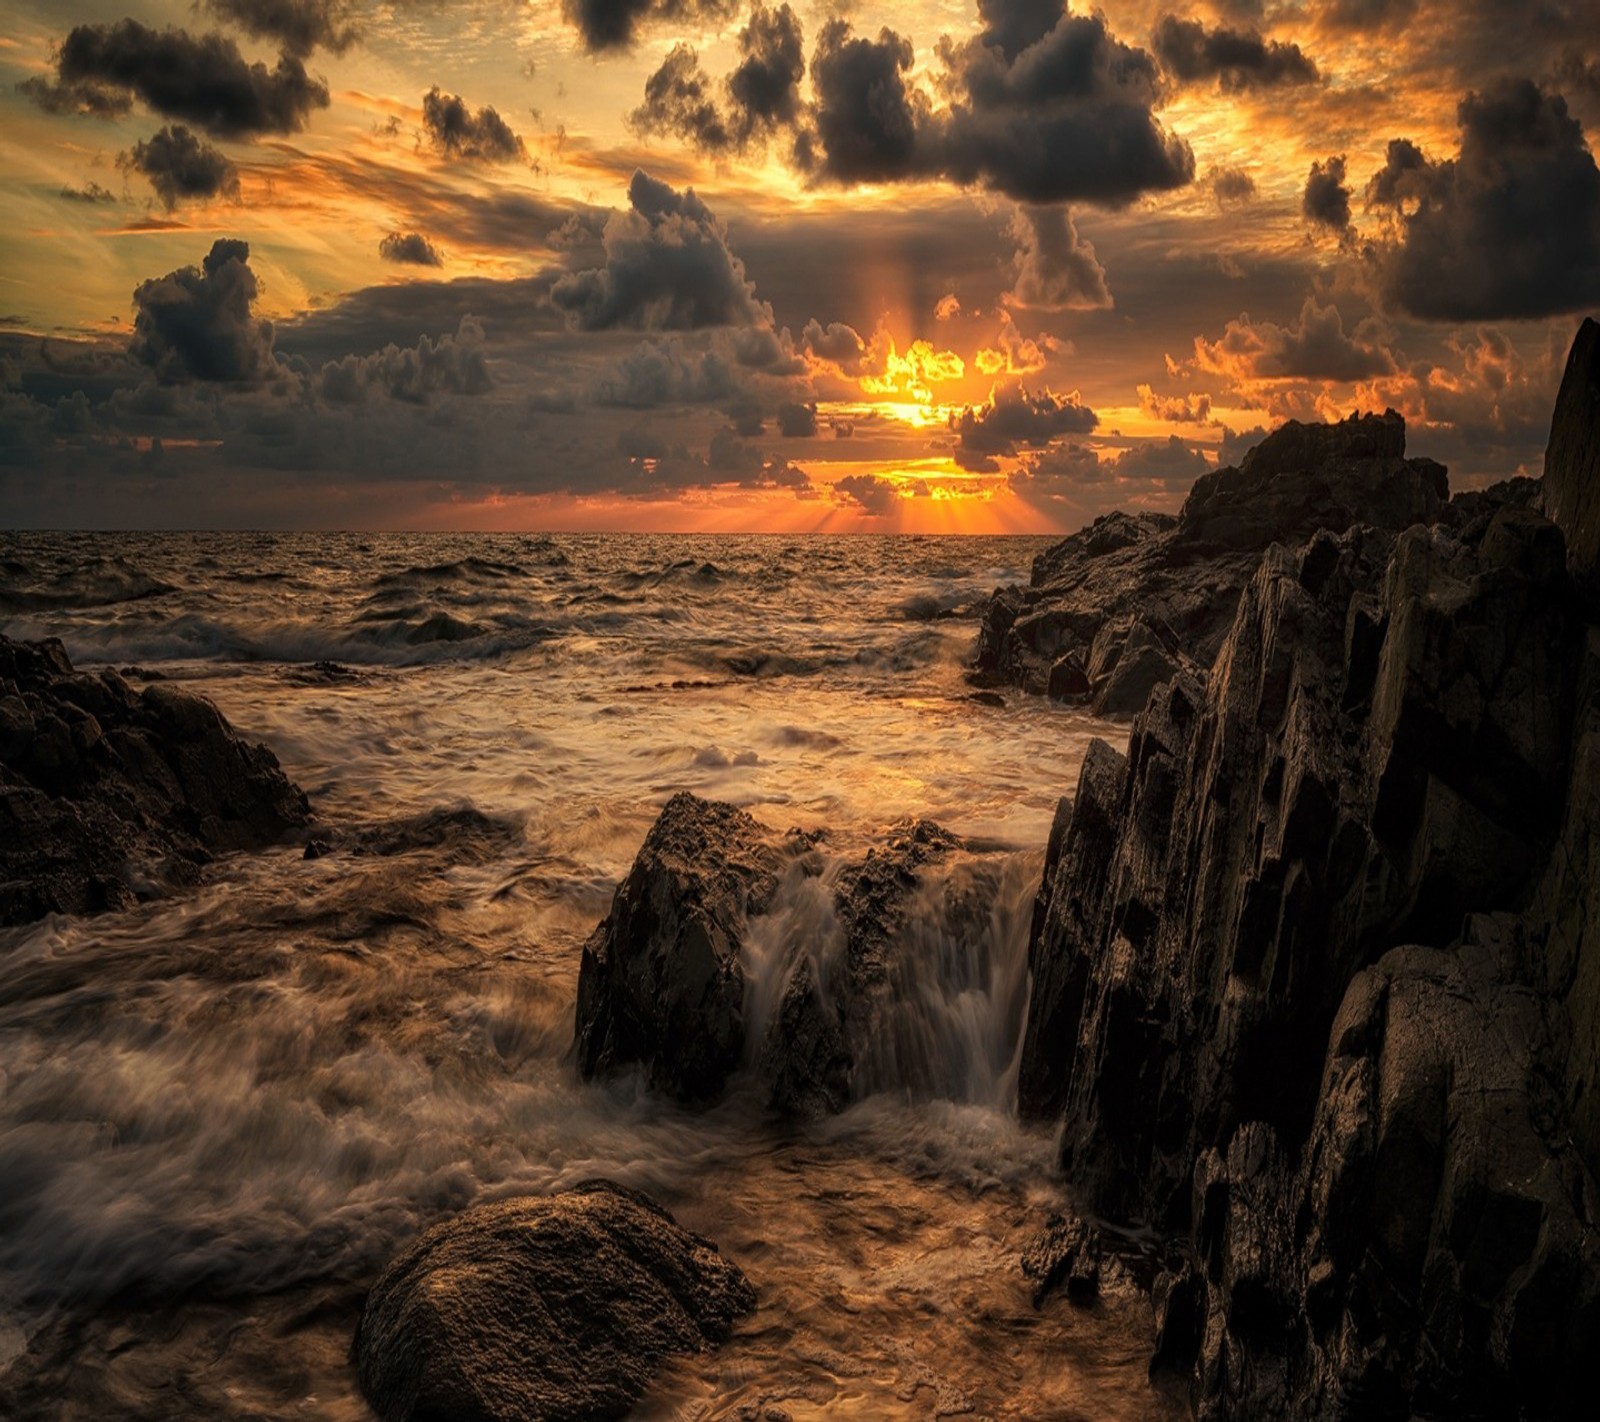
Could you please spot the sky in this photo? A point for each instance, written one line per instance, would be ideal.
(724, 265)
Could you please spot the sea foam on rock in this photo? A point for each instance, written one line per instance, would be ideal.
(1317, 971)
(556, 1309)
(108, 795)
(1132, 600)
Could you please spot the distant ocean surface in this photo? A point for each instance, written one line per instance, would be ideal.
(222, 1113)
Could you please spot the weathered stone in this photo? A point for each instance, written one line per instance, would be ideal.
(558, 1309)
(1572, 459)
(108, 795)
(1065, 1254)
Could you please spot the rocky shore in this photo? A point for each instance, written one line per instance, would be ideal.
(110, 795)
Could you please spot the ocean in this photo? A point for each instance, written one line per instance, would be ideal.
(222, 1113)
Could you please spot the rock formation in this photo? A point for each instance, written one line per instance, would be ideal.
(1317, 963)
(542, 1310)
(1133, 600)
(670, 981)
(108, 795)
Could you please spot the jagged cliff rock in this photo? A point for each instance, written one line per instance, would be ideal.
(108, 795)
(1317, 979)
(672, 980)
(1572, 459)
(1163, 590)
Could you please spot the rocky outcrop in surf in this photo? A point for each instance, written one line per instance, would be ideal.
(1133, 600)
(1317, 970)
(542, 1310)
(731, 948)
(108, 795)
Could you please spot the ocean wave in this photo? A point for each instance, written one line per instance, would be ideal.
(100, 582)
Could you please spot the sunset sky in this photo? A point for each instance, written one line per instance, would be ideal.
(715, 265)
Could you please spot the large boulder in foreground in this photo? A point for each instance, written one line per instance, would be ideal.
(1161, 592)
(108, 795)
(1572, 459)
(558, 1309)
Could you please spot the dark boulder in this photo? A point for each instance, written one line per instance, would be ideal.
(557, 1309)
(108, 795)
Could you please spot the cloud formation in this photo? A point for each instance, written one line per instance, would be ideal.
(196, 323)
(614, 24)
(200, 79)
(182, 167)
(297, 26)
(1508, 229)
(409, 249)
(1326, 201)
(668, 267)
(482, 137)
(450, 365)
(1013, 417)
(1055, 269)
(1316, 347)
(1237, 59)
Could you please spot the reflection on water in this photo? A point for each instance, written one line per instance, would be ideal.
(221, 1114)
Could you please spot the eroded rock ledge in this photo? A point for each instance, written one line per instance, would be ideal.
(1317, 968)
(108, 795)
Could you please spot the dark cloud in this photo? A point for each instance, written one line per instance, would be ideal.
(872, 494)
(1326, 200)
(196, 323)
(297, 26)
(1044, 107)
(1508, 229)
(182, 167)
(90, 192)
(482, 137)
(797, 421)
(613, 24)
(1232, 187)
(1169, 461)
(668, 267)
(1015, 417)
(838, 344)
(1366, 15)
(409, 249)
(665, 373)
(759, 97)
(1055, 269)
(1236, 59)
(201, 79)
(450, 365)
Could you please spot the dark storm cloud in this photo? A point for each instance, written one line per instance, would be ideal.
(196, 323)
(797, 421)
(613, 24)
(668, 267)
(450, 365)
(182, 167)
(867, 116)
(873, 495)
(666, 372)
(1236, 59)
(201, 79)
(1232, 187)
(1015, 417)
(1510, 228)
(298, 26)
(1056, 270)
(409, 249)
(1326, 200)
(483, 137)
(759, 97)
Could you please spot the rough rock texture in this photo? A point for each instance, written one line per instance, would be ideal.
(1317, 981)
(1161, 592)
(661, 982)
(668, 979)
(1572, 459)
(108, 795)
(542, 1310)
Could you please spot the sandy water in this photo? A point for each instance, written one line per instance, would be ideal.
(221, 1114)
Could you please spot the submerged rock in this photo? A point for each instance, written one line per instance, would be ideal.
(1134, 600)
(108, 795)
(554, 1309)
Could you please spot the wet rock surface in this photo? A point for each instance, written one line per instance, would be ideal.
(699, 972)
(1134, 599)
(552, 1309)
(1316, 974)
(108, 795)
